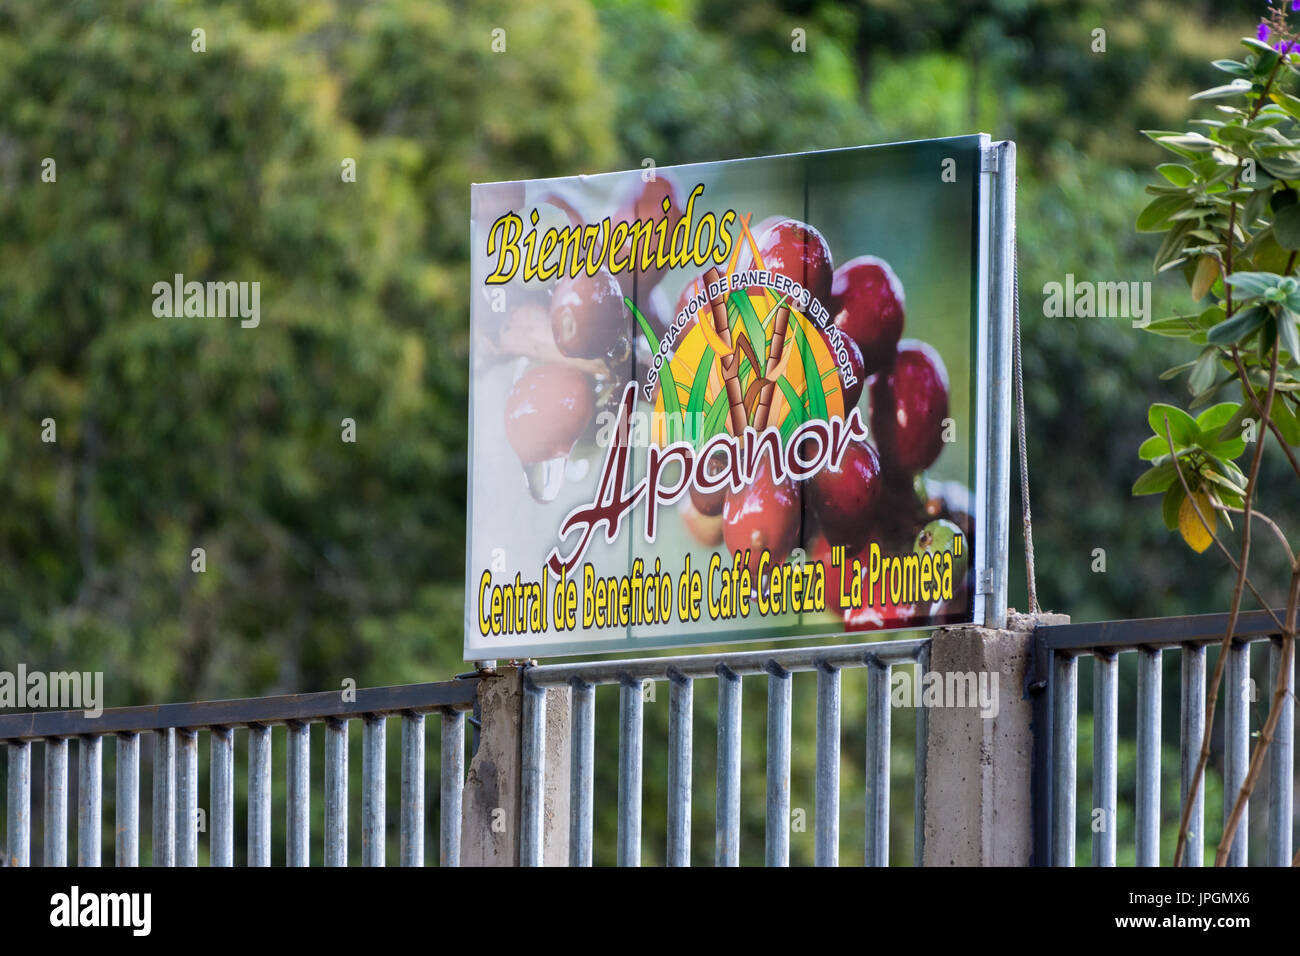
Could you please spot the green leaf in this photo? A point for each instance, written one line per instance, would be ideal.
(1176, 173)
(667, 385)
(1174, 327)
(1286, 332)
(1203, 398)
(1153, 448)
(1259, 46)
(1173, 500)
(1203, 372)
(1233, 68)
(1232, 427)
(793, 400)
(1286, 422)
(1238, 327)
(1156, 216)
(1254, 284)
(1255, 206)
(1225, 473)
(695, 404)
(1286, 226)
(1155, 480)
(1214, 436)
(1182, 427)
(1281, 168)
(816, 395)
(715, 420)
(1171, 249)
(1174, 372)
(1235, 88)
(753, 327)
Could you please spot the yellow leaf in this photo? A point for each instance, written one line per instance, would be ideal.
(1190, 526)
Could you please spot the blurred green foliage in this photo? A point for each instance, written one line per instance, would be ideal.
(328, 560)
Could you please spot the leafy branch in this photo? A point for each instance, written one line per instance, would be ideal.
(1229, 213)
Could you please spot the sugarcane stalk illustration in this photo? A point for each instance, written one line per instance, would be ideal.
(728, 357)
(774, 367)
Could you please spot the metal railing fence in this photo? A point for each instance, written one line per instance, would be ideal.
(175, 730)
(1058, 650)
(729, 670)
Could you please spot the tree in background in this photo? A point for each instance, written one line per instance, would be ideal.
(327, 559)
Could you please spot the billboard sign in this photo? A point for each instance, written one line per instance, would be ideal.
(744, 400)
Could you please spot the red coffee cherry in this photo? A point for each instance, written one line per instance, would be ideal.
(847, 499)
(797, 251)
(588, 315)
(908, 405)
(867, 305)
(763, 515)
(546, 411)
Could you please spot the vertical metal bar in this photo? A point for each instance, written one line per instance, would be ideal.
(259, 795)
(18, 814)
(1148, 756)
(1002, 269)
(582, 757)
(1065, 694)
(777, 851)
(453, 784)
(298, 797)
(163, 849)
(532, 775)
(1281, 758)
(126, 779)
(1192, 730)
(411, 836)
(875, 851)
(727, 828)
(56, 802)
(221, 832)
(1236, 744)
(90, 800)
(1105, 754)
(336, 792)
(631, 707)
(187, 797)
(681, 744)
(373, 818)
(827, 844)
(922, 745)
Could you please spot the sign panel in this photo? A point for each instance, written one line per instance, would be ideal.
(728, 401)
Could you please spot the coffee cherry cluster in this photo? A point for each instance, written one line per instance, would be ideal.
(878, 492)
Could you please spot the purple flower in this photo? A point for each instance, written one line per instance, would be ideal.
(1262, 32)
(1295, 5)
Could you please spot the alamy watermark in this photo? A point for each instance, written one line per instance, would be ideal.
(1098, 300)
(54, 690)
(178, 298)
(961, 689)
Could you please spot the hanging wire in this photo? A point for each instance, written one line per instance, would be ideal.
(1020, 432)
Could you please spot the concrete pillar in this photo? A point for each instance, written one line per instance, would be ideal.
(978, 808)
(490, 815)
(489, 829)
